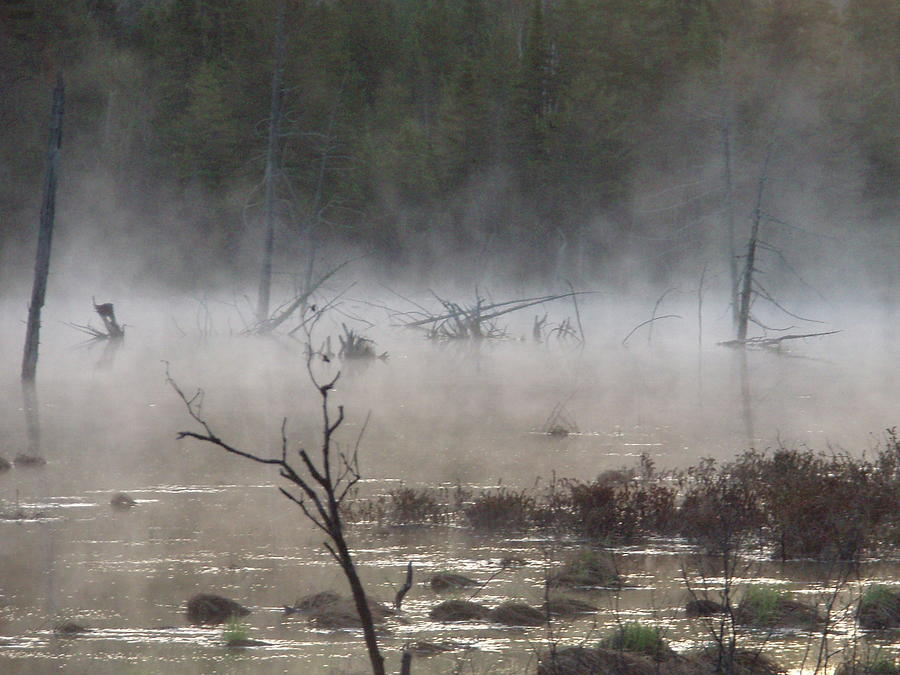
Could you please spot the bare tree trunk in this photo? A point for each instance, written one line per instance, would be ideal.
(727, 153)
(729, 219)
(45, 236)
(272, 167)
(747, 281)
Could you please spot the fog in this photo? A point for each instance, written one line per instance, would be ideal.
(592, 151)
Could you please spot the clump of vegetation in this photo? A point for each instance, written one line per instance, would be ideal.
(704, 607)
(518, 614)
(874, 662)
(611, 509)
(587, 567)
(448, 581)
(559, 605)
(4, 465)
(28, 461)
(638, 638)
(234, 632)
(122, 501)
(70, 629)
(502, 509)
(559, 423)
(879, 608)
(764, 606)
(713, 660)
(210, 610)
(459, 610)
(356, 347)
(410, 505)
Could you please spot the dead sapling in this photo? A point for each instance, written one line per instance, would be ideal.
(559, 422)
(356, 347)
(476, 321)
(322, 484)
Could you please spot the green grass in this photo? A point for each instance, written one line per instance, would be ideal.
(761, 603)
(234, 631)
(877, 595)
(637, 638)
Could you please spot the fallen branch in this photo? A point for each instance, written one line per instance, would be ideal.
(772, 342)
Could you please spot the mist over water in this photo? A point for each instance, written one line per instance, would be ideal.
(475, 150)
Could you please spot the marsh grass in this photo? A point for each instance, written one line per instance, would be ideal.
(503, 509)
(879, 607)
(761, 604)
(638, 638)
(234, 631)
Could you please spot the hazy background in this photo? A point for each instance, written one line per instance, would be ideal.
(509, 147)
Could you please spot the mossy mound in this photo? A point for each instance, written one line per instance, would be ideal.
(560, 605)
(581, 660)
(638, 638)
(444, 582)
(122, 501)
(744, 662)
(587, 568)
(874, 665)
(23, 460)
(518, 614)
(701, 607)
(206, 609)
(879, 608)
(768, 608)
(70, 629)
(459, 610)
(329, 610)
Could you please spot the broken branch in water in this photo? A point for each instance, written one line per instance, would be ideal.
(772, 342)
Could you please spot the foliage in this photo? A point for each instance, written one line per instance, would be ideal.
(638, 638)
(761, 603)
(234, 631)
(541, 115)
(501, 510)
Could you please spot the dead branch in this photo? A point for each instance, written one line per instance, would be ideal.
(404, 589)
(322, 488)
(772, 342)
(644, 323)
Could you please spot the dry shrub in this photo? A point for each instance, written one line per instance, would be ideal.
(720, 509)
(619, 509)
(501, 509)
(879, 608)
(409, 505)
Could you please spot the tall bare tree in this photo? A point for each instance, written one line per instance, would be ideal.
(272, 166)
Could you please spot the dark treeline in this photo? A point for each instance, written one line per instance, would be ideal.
(565, 132)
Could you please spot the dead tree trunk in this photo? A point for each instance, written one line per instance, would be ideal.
(746, 297)
(272, 167)
(45, 236)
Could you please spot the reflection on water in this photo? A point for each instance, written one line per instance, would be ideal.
(129, 588)
(207, 523)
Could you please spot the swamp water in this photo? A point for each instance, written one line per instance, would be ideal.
(205, 522)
